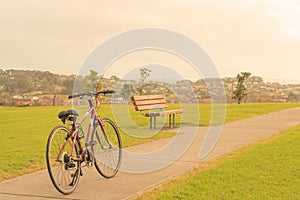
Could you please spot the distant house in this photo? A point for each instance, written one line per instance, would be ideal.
(35, 99)
(23, 103)
(17, 97)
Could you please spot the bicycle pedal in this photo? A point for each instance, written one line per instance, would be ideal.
(71, 165)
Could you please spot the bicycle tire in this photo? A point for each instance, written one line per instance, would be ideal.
(63, 175)
(107, 159)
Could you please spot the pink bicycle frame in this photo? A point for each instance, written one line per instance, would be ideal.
(74, 131)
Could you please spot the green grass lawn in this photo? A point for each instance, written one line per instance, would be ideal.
(268, 169)
(25, 130)
(23, 138)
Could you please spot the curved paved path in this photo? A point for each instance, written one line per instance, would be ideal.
(127, 185)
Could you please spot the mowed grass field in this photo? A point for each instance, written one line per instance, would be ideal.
(25, 130)
(267, 169)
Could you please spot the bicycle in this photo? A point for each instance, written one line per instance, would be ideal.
(65, 153)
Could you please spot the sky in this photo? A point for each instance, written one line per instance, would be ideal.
(262, 37)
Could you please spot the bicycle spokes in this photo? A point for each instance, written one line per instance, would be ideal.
(63, 171)
(107, 150)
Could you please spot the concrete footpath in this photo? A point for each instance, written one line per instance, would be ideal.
(127, 185)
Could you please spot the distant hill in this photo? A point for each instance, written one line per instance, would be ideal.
(16, 82)
(33, 87)
(17, 85)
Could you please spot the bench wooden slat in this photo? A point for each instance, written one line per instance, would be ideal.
(147, 97)
(149, 102)
(150, 107)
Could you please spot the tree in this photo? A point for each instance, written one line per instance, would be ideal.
(144, 74)
(91, 81)
(127, 90)
(292, 97)
(240, 92)
(98, 97)
(68, 86)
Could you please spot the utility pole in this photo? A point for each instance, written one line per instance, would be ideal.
(54, 96)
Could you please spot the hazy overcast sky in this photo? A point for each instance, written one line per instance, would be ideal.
(262, 37)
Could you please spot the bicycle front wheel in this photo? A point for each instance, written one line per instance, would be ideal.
(106, 148)
(64, 173)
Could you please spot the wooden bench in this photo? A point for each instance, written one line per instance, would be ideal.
(153, 106)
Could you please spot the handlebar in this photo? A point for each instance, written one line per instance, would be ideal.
(90, 93)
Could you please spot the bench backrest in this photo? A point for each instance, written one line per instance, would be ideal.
(149, 102)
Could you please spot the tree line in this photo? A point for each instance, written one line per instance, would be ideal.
(16, 82)
(23, 82)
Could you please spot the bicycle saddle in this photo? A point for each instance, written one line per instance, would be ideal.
(63, 115)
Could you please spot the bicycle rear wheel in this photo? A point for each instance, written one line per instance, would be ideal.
(63, 172)
(106, 148)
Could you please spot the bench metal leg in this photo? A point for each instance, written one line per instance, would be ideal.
(172, 120)
(152, 123)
